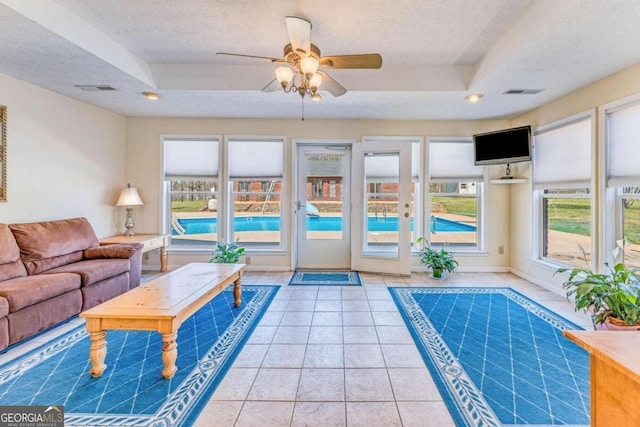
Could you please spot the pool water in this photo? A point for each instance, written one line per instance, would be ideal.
(272, 223)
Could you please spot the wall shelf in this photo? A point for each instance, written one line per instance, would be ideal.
(509, 181)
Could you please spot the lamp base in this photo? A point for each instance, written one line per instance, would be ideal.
(128, 224)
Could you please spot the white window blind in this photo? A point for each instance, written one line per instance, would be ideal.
(256, 159)
(563, 157)
(415, 159)
(623, 144)
(453, 160)
(185, 158)
(381, 167)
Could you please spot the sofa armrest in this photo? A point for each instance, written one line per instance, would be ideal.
(116, 250)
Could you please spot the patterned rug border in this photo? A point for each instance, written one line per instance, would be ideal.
(188, 400)
(465, 402)
(353, 280)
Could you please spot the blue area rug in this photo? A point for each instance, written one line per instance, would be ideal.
(497, 357)
(326, 278)
(132, 391)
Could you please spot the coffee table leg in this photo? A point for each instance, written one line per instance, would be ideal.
(237, 292)
(169, 354)
(97, 353)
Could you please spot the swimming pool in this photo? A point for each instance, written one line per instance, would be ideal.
(272, 223)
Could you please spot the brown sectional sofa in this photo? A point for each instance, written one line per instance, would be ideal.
(51, 271)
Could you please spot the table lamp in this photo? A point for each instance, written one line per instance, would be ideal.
(129, 197)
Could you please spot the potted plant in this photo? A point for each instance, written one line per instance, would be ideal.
(612, 298)
(438, 261)
(226, 253)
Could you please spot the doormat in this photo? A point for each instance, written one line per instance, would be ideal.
(325, 278)
(497, 357)
(132, 391)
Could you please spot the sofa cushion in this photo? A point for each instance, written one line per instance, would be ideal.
(46, 245)
(4, 307)
(10, 264)
(94, 270)
(25, 291)
(117, 250)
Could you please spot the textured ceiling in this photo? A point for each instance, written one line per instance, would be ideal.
(435, 52)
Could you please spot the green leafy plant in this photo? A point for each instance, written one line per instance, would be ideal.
(437, 260)
(226, 253)
(613, 296)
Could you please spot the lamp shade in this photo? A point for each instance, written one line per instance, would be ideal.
(129, 197)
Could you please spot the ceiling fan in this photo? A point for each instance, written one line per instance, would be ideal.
(302, 59)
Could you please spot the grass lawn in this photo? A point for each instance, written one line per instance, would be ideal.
(458, 205)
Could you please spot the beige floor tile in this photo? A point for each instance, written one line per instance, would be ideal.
(387, 318)
(261, 414)
(324, 356)
(368, 385)
(284, 356)
(297, 318)
(251, 356)
(326, 335)
(308, 293)
(327, 318)
(402, 356)
(382, 305)
(394, 335)
(272, 318)
(301, 305)
(236, 384)
(291, 335)
(321, 385)
(378, 414)
(363, 356)
(275, 384)
(219, 413)
(357, 318)
(262, 335)
(413, 384)
(329, 294)
(355, 305)
(319, 414)
(360, 335)
(425, 414)
(328, 305)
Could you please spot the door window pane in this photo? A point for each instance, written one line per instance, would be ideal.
(381, 228)
(324, 204)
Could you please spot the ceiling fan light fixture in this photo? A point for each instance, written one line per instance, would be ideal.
(316, 97)
(284, 75)
(308, 66)
(473, 98)
(314, 82)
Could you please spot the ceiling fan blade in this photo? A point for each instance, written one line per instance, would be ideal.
(330, 85)
(367, 60)
(300, 35)
(273, 86)
(251, 56)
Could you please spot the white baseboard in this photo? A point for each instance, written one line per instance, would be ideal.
(548, 286)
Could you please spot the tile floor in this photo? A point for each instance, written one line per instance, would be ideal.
(338, 356)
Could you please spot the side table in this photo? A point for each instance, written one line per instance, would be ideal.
(149, 242)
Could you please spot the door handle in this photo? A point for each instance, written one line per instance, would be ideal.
(406, 214)
(298, 205)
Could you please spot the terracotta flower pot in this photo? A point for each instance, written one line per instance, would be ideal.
(615, 324)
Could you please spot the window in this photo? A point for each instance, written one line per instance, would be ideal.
(623, 177)
(455, 193)
(562, 185)
(191, 182)
(256, 168)
(316, 188)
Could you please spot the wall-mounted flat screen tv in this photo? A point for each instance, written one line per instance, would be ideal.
(503, 146)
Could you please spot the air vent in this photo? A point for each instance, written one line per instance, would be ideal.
(95, 88)
(522, 91)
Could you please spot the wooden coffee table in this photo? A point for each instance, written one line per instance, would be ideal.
(160, 305)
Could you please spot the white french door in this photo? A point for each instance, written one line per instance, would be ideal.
(322, 206)
(381, 210)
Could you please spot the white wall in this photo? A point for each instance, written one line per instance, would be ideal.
(65, 158)
(617, 86)
(143, 167)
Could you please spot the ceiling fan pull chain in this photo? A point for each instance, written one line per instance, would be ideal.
(303, 109)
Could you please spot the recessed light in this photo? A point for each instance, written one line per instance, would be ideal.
(152, 96)
(474, 97)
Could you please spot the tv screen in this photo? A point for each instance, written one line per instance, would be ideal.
(503, 146)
